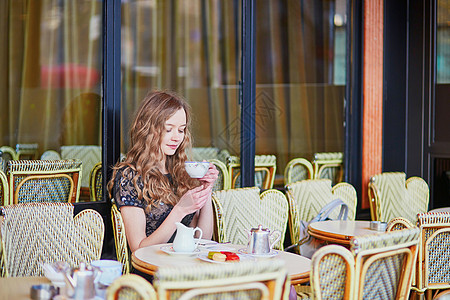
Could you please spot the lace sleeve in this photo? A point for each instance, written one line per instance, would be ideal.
(125, 193)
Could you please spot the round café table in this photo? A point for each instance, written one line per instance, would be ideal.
(339, 232)
(149, 259)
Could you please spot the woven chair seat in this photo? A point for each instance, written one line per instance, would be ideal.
(44, 180)
(238, 210)
(223, 281)
(392, 196)
(50, 234)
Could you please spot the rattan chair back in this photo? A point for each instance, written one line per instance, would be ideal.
(433, 267)
(50, 155)
(384, 264)
(265, 168)
(223, 179)
(266, 279)
(4, 191)
(131, 287)
(90, 155)
(239, 210)
(399, 224)
(308, 197)
(332, 273)
(27, 151)
(120, 240)
(329, 165)
(391, 196)
(44, 181)
(37, 233)
(96, 183)
(298, 169)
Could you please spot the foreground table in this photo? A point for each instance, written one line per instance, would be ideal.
(148, 260)
(18, 288)
(339, 232)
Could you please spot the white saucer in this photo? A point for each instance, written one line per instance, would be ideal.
(272, 253)
(169, 250)
(242, 257)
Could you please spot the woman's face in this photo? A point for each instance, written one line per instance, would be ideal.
(173, 133)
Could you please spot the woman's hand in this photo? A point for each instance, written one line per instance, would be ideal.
(194, 199)
(211, 176)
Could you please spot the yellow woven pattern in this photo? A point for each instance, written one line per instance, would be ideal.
(384, 274)
(265, 169)
(435, 252)
(298, 169)
(50, 155)
(307, 197)
(49, 234)
(130, 287)
(38, 188)
(333, 273)
(395, 197)
(120, 240)
(223, 179)
(382, 240)
(179, 279)
(96, 183)
(399, 224)
(4, 193)
(328, 165)
(89, 155)
(238, 210)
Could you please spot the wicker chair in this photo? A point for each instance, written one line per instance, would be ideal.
(27, 151)
(391, 196)
(265, 168)
(237, 210)
(433, 267)
(223, 180)
(120, 240)
(307, 197)
(378, 266)
(7, 154)
(247, 280)
(131, 287)
(298, 169)
(4, 191)
(96, 183)
(90, 155)
(50, 233)
(50, 155)
(329, 165)
(44, 181)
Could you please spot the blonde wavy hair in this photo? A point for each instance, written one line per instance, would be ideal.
(145, 151)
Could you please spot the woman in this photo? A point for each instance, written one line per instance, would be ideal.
(151, 187)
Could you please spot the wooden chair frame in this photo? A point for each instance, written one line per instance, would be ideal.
(93, 176)
(134, 282)
(75, 181)
(5, 189)
(120, 240)
(268, 168)
(320, 164)
(292, 164)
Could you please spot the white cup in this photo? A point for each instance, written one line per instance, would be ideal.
(196, 169)
(110, 270)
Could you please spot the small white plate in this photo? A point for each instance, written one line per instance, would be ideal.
(169, 250)
(272, 253)
(204, 257)
(205, 243)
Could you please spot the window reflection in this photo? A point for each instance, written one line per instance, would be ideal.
(50, 84)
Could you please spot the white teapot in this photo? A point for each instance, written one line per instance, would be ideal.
(184, 239)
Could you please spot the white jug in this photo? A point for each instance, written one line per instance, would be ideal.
(184, 239)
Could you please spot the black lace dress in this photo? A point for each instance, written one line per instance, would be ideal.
(126, 195)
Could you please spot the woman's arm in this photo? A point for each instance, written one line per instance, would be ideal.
(205, 219)
(135, 221)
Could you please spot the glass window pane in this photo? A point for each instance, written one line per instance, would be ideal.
(300, 79)
(50, 86)
(443, 42)
(191, 47)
